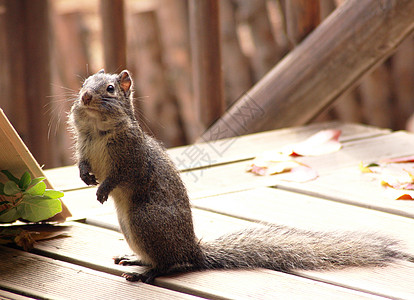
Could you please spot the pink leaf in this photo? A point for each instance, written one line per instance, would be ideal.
(270, 163)
(322, 142)
(406, 159)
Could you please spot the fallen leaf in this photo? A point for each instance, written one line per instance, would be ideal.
(406, 159)
(322, 142)
(405, 197)
(397, 179)
(270, 163)
(367, 168)
(258, 170)
(18, 236)
(25, 240)
(281, 167)
(299, 174)
(26, 235)
(272, 167)
(364, 169)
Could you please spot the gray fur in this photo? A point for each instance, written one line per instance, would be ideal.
(153, 206)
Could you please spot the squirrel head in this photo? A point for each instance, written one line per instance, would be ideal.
(104, 102)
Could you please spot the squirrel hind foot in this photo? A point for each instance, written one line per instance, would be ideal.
(129, 260)
(146, 277)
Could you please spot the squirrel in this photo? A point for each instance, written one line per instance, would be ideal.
(153, 206)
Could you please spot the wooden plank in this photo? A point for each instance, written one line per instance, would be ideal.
(224, 179)
(396, 144)
(375, 91)
(301, 17)
(235, 64)
(87, 246)
(258, 284)
(349, 185)
(82, 203)
(230, 150)
(14, 155)
(16, 158)
(15, 31)
(173, 18)
(5, 83)
(83, 239)
(233, 177)
(283, 207)
(206, 60)
(41, 277)
(65, 178)
(402, 72)
(70, 65)
(113, 34)
(249, 146)
(5, 295)
(356, 37)
(78, 248)
(207, 225)
(266, 284)
(158, 113)
(341, 180)
(266, 51)
(393, 281)
(28, 32)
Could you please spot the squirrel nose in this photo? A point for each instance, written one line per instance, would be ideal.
(86, 98)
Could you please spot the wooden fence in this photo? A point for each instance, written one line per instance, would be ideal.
(167, 45)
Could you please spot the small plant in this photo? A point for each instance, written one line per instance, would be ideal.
(27, 199)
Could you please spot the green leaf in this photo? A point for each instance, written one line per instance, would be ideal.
(38, 189)
(7, 216)
(1, 188)
(25, 180)
(36, 210)
(11, 188)
(36, 181)
(52, 194)
(10, 176)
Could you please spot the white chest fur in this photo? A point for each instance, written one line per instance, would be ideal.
(96, 151)
(122, 198)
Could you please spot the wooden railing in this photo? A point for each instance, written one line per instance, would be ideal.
(181, 93)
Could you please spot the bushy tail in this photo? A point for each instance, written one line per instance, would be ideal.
(282, 248)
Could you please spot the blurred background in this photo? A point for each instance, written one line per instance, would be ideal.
(47, 49)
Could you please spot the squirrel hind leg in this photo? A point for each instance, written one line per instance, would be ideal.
(146, 277)
(129, 260)
(150, 275)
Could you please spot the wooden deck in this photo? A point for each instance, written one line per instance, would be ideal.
(226, 198)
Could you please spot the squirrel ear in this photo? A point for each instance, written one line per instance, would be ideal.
(125, 80)
(101, 71)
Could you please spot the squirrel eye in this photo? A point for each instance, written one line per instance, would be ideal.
(110, 88)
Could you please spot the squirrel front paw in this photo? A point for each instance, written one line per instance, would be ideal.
(84, 173)
(101, 194)
(88, 178)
